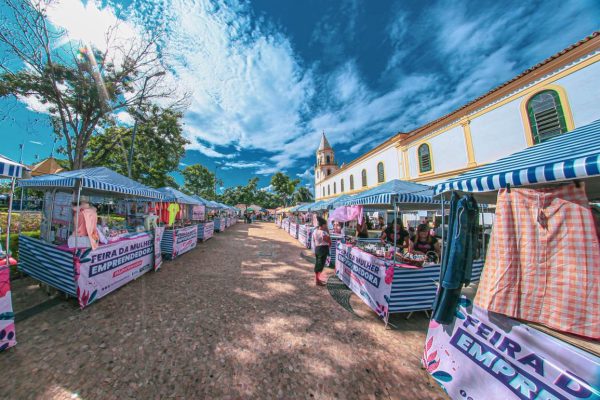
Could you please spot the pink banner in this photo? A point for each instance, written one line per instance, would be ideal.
(7, 318)
(483, 355)
(109, 267)
(158, 234)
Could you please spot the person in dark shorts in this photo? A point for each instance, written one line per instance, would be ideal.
(322, 241)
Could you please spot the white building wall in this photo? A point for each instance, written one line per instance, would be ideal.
(583, 93)
(498, 133)
(448, 152)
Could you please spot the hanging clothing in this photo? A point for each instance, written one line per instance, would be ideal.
(173, 210)
(87, 225)
(457, 264)
(543, 261)
(347, 213)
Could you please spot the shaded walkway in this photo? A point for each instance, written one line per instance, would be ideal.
(238, 317)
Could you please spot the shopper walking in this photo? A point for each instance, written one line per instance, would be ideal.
(322, 242)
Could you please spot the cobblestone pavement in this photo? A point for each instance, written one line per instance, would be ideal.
(238, 317)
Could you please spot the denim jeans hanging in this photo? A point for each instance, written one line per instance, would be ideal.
(458, 256)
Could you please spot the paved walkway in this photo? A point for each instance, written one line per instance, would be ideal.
(238, 317)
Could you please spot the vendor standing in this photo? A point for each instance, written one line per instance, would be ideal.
(362, 230)
(322, 241)
(424, 242)
(398, 237)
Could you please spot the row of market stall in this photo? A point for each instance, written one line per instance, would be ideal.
(100, 230)
(527, 324)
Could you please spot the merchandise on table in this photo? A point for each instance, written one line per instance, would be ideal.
(181, 234)
(399, 287)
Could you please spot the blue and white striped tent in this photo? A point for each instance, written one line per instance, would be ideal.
(10, 168)
(572, 155)
(393, 192)
(174, 195)
(99, 179)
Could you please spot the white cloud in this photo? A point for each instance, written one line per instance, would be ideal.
(308, 175)
(125, 118)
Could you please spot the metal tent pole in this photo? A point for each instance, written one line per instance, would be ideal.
(10, 205)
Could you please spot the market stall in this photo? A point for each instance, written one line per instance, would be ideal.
(218, 216)
(322, 209)
(532, 327)
(13, 171)
(81, 254)
(390, 280)
(305, 228)
(206, 228)
(177, 213)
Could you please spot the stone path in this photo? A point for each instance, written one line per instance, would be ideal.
(238, 317)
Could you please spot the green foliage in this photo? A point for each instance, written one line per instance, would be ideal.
(284, 186)
(158, 148)
(303, 195)
(82, 87)
(200, 181)
(14, 241)
(241, 194)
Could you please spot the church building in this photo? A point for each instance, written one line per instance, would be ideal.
(553, 97)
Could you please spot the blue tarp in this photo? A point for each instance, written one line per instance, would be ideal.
(395, 191)
(99, 179)
(174, 195)
(10, 168)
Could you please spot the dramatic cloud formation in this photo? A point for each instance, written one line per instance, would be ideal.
(264, 87)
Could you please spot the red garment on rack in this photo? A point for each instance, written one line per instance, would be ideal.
(543, 262)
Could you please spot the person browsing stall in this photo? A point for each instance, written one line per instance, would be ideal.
(398, 237)
(424, 242)
(322, 241)
(362, 230)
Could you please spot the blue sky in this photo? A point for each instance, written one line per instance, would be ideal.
(268, 76)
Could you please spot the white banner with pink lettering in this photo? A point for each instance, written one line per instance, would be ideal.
(483, 355)
(101, 271)
(369, 277)
(184, 239)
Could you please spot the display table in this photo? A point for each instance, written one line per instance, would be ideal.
(178, 241)
(305, 235)
(484, 355)
(293, 230)
(206, 230)
(85, 273)
(387, 288)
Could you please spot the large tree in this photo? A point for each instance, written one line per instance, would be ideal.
(82, 86)
(245, 195)
(200, 180)
(158, 148)
(284, 186)
(303, 195)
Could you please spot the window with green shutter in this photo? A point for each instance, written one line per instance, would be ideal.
(424, 158)
(380, 173)
(546, 116)
(351, 182)
(364, 177)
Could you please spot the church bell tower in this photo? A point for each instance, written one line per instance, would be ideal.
(326, 164)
